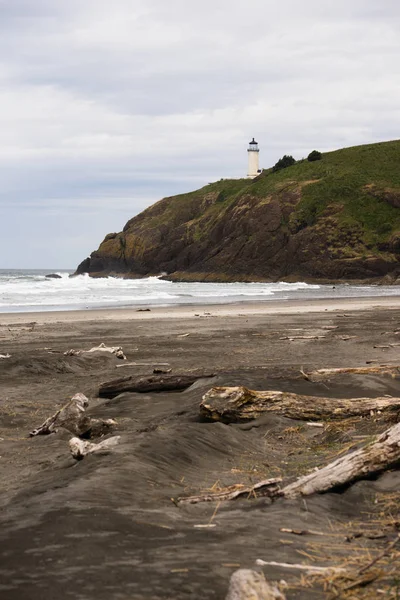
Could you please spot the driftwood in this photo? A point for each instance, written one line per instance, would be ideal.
(309, 569)
(73, 418)
(81, 448)
(373, 370)
(233, 404)
(5, 355)
(267, 487)
(372, 459)
(246, 584)
(148, 383)
(117, 350)
(142, 364)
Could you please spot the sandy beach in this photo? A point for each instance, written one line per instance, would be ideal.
(109, 526)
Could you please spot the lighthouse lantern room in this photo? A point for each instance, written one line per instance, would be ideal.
(253, 152)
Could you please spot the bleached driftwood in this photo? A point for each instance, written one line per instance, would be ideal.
(246, 584)
(373, 458)
(142, 364)
(81, 448)
(381, 454)
(372, 370)
(148, 383)
(5, 355)
(232, 404)
(268, 487)
(73, 418)
(117, 350)
(309, 569)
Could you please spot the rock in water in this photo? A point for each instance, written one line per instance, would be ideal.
(53, 276)
(246, 584)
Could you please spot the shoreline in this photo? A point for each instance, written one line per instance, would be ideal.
(117, 506)
(240, 309)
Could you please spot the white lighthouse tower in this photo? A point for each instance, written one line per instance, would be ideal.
(253, 152)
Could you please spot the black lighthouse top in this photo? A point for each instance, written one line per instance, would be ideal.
(253, 146)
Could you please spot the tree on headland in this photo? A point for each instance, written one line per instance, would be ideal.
(283, 163)
(314, 155)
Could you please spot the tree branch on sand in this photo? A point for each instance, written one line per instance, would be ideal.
(375, 457)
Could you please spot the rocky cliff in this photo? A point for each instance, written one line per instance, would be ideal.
(333, 219)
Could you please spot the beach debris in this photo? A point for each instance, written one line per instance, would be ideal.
(183, 335)
(292, 338)
(309, 569)
(5, 355)
(373, 458)
(143, 310)
(117, 350)
(373, 370)
(149, 383)
(142, 364)
(236, 404)
(73, 418)
(80, 448)
(246, 584)
(267, 487)
(300, 531)
(161, 371)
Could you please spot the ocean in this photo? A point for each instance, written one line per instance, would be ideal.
(31, 291)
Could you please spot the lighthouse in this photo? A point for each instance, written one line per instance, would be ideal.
(252, 152)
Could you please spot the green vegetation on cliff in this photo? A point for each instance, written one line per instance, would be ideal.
(335, 218)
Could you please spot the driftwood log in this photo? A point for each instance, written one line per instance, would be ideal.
(73, 418)
(81, 448)
(381, 454)
(148, 383)
(370, 460)
(246, 584)
(235, 404)
(267, 487)
(319, 374)
(117, 350)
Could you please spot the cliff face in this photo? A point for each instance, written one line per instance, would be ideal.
(334, 219)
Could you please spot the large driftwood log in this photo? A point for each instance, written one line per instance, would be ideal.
(268, 487)
(246, 584)
(374, 458)
(73, 418)
(235, 404)
(382, 454)
(148, 383)
(81, 448)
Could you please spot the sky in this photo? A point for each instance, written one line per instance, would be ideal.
(106, 107)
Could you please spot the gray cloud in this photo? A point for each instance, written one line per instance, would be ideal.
(106, 107)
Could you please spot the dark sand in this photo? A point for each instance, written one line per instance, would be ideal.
(105, 527)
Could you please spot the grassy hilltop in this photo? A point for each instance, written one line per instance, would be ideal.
(333, 219)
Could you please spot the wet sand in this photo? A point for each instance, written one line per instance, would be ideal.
(106, 527)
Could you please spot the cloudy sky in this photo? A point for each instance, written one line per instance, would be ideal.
(107, 106)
